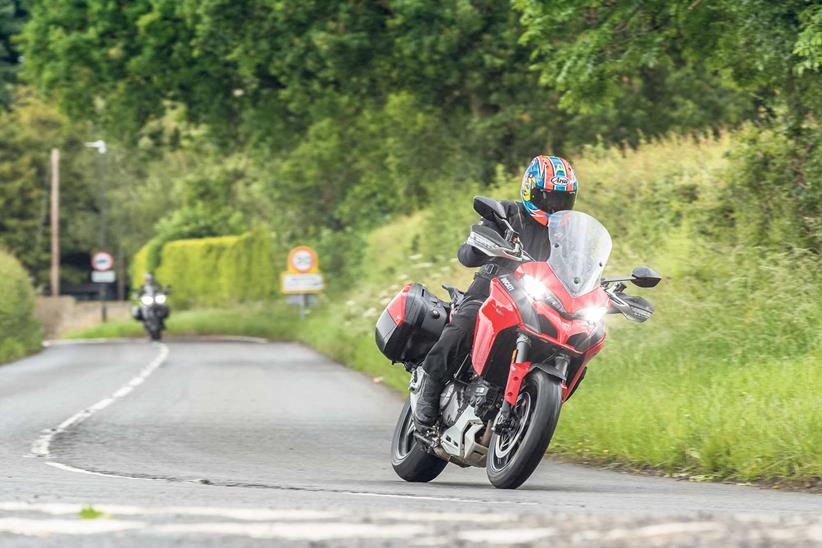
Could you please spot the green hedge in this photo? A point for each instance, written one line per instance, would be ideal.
(214, 271)
(139, 266)
(20, 333)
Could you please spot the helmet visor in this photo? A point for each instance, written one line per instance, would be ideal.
(551, 201)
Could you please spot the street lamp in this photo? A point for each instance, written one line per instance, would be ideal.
(100, 146)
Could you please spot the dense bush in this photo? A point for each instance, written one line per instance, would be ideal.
(20, 333)
(217, 271)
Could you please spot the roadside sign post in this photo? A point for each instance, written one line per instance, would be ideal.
(302, 281)
(102, 262)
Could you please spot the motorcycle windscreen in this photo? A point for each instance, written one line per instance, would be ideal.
(580, 247)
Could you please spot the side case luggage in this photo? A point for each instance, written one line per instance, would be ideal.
(411, 324)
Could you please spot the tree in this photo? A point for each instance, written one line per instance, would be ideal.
(12, 16)
(597, 52)
(358, 109)
(27, 133)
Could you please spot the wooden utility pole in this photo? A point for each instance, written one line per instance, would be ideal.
(55, 222)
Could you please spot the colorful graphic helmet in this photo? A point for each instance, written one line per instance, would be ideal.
(549, 185)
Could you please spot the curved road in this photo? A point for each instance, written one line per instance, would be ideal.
(221, 443)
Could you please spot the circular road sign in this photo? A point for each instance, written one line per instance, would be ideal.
(302, 259)
(102, 261)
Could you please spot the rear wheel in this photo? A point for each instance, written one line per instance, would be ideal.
(410, 460)
(514, 455)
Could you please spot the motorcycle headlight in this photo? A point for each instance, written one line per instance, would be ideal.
(160, 299)
(592, 314)
(539, 292)
(147, 300)
(534, 288)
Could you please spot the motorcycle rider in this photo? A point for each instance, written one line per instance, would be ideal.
(548, 185)
(149, 283)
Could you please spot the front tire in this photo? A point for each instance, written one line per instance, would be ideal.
(155, 333)
(514, 456)
(410, 461)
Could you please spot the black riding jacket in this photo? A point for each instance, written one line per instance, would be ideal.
(152, 288)
(533, 236)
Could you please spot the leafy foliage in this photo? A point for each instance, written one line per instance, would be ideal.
(769, 51)
(27, 133)
(12, 16)
(354, 110)
(19, 331)
(603, 51)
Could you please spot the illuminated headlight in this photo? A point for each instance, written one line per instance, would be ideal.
(147, 300)
(160, 299)
(534, 288)
(539, 292)
(592, 314)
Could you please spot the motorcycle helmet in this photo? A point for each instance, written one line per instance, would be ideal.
(548, 185)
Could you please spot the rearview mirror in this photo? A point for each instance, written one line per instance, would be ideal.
(488, 208)
(645, 276)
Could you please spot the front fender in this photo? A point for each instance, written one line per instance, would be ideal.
(556, 370)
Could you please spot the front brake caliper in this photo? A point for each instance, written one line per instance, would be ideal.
(505, 420)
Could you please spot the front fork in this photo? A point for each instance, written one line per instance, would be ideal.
(519, 368)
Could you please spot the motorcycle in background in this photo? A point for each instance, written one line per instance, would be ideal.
(535, 334)
(152, 309)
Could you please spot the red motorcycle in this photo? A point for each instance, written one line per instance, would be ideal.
(535, 334)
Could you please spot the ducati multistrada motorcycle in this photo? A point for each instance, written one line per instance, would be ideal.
(535, 334)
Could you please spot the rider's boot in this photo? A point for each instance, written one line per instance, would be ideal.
(427, 408)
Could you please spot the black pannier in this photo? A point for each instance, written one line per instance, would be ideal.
(411, 324)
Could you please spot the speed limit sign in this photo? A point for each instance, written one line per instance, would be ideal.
(303, 275)
(102, 261)
(302, 260)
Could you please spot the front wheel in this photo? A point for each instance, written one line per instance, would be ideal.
(514, 455)
(155, 332)
(410, 461)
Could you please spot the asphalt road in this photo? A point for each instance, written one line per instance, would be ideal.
(244, 443)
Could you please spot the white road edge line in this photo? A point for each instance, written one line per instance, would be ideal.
(41, 446)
